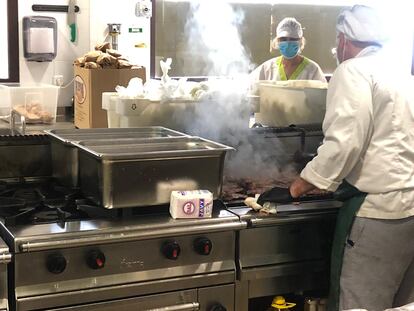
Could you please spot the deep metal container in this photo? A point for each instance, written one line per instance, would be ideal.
(65, 154)
(144, 172)
(24, 156)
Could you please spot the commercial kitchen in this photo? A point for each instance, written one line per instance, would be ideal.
(135, 146)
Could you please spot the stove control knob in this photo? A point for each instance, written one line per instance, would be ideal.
(203, 246)
(56, 263)
(171, 250)
(95, 260)
(218, 307)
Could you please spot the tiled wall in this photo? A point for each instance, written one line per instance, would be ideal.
(92, 28)
(36, 72)
(103, 12)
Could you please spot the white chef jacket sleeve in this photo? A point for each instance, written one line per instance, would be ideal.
(347, 128)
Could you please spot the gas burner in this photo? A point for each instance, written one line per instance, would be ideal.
(29, 195)
(11, 203)
(9, 206)
(38, 202)
(42, 213)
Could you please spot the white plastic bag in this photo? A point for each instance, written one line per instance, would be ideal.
(134, 89)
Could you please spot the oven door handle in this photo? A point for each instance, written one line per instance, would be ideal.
(122, 236)
(5, 258)
(194, 306)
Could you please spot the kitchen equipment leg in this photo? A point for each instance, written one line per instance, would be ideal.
(242, 296)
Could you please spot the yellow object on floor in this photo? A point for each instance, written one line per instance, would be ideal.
(279, 303)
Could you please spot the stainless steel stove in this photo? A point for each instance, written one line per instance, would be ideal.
(105, 264)
(285, 252)
(70, 254)
(5, 258)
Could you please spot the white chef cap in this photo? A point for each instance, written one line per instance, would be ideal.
(362, 24)
(289, 27)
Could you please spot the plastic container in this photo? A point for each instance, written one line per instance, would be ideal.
(37, 103)
(291, 102)
(109, 101)
(5, 107)
(138, 112)
(172, 115)
(177, 114)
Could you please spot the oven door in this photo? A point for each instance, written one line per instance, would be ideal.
(181, 300)
(203, 299)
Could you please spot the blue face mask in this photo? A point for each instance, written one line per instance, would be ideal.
(289, 49)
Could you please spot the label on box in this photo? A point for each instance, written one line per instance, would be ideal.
(80, 89)
(191, 204)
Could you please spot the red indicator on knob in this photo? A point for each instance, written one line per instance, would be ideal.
(203, 246)
(95, 259)
(171, 250)
(99, 262)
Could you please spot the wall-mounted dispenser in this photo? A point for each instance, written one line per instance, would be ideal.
(114, 31)
(39, 38)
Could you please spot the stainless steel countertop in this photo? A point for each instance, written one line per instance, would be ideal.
(38, 128)
(288, 213)
(101, 231)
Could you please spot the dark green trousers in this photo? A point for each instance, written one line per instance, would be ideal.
(353, 199)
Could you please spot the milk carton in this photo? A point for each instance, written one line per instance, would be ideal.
(191, 204)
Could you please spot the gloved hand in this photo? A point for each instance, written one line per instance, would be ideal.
(276, 195)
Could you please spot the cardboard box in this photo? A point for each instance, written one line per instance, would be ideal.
(90, 84)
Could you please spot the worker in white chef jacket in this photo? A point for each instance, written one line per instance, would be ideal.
(368, 149)
(291, 65)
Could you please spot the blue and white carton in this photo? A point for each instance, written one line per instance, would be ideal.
(191, 204)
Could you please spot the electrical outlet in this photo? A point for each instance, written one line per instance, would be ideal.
(58, 80)
(143, 8)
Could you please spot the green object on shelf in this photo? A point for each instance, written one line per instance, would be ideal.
(72, 32)
(72, 20)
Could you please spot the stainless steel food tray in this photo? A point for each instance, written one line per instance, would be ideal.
(144, 172)
(65, 154)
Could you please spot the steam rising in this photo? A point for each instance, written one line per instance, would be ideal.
(213, 26)
(213, 30)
